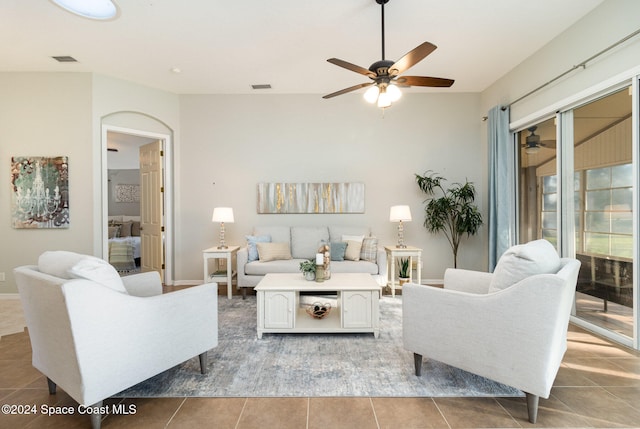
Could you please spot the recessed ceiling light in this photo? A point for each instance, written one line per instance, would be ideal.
(92, 9)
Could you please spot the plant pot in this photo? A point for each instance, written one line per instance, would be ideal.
(309, 275)
(403, 280)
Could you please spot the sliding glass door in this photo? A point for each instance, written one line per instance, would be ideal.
(603, 177)
(577, 175)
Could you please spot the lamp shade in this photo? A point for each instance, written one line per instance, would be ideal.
(400, 213)
(222, 214)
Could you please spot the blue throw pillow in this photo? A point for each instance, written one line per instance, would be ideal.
(251, 245)
(337, 251)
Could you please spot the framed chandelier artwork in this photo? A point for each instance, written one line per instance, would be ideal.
(40, 192)
(292, 198)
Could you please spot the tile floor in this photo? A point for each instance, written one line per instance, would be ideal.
(598, 385)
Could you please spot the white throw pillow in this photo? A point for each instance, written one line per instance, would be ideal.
(358, 238)
(58, 262)
(522, 261)
(99, 271)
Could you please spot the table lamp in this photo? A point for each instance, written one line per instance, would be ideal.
(400, 214)
(222, 215)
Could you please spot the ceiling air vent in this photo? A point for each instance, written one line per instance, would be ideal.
(261, 86)
(65, 59)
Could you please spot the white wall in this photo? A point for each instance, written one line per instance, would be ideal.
(45, 115)
(239, 141)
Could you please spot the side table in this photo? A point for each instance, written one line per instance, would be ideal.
(221, 276)
(394, 252)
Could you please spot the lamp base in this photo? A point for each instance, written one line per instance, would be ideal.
(401, 246)
(223, 247)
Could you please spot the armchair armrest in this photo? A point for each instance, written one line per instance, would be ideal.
(467, 280)
(143, 284)
(382, 262)
(241, 260)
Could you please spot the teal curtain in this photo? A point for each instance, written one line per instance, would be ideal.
(502, 184)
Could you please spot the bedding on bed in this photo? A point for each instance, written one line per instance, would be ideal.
(124, 242)
(121, 255)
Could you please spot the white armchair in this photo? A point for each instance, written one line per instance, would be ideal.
(94, 334)
(509, 326)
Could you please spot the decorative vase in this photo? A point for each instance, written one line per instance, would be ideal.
(325, 251)
(309, 275)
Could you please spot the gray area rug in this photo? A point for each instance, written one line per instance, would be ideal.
(307, 365)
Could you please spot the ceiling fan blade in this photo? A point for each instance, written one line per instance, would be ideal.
(351, 88)
(424, 81)
(352, 67)
(551, 144)
(411, 58)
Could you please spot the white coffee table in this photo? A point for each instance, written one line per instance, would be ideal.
(280, 310)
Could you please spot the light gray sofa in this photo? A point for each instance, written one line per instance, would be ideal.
(304, 242)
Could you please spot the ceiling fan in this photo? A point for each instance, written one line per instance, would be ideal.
(385, 74)
(533, 144)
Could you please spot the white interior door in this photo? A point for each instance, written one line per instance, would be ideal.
(151, 208)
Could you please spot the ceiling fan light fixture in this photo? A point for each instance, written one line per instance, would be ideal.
(386, 73)
(371, 94)
(532, 150)
(394, 93)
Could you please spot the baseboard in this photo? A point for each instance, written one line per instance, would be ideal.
(186, 283)
(9, 296)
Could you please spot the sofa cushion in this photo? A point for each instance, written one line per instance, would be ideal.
(354, 267)
(99, 271)
(252, 250)
(353, 250)
(278, 234)
(369, 250)
(260, 268)
(359, 238)
(336, 232)
(273, 251)
(306, 240)
(338, 250)
(522, 261)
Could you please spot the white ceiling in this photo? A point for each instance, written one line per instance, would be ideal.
(226, 46)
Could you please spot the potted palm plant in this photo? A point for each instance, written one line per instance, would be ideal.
(308, 269)
(403, 270)
(453, 213)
